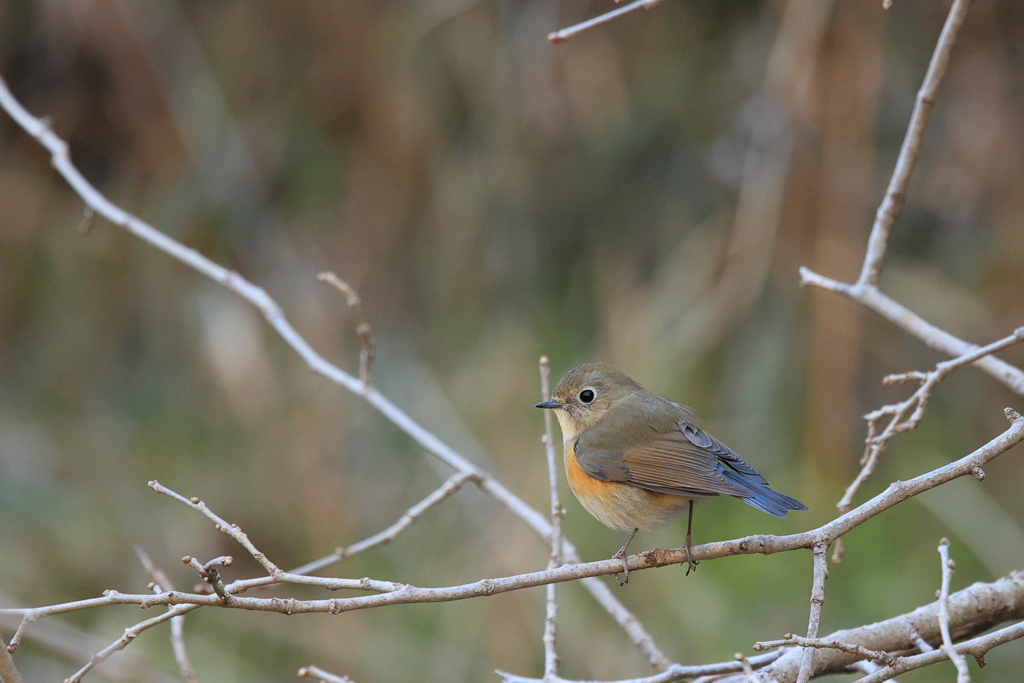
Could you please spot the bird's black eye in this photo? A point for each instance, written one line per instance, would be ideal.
(587, 395)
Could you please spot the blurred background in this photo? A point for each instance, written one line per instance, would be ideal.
(642, 194)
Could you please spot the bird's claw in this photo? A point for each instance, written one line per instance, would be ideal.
(625, 568)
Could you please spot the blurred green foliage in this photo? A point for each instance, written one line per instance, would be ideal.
(493, 198)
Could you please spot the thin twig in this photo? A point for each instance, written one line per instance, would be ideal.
(325, 676)
(817, 600)
(438, 495)
(748, 670)
(920, 643)
(271, 311)
(676, 672)
(910, 151)
(130, 634)
(231, 530)
(8, 671)
(962, 674)
(363, 328)
(566, 33)
(906, 415)
(391, 593)
(976, 647)
(935, 337)
(163, 583)
(825, 644)
(551, 611)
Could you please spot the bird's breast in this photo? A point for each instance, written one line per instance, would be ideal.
(619, 505)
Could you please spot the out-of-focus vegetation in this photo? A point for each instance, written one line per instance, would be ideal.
(493, 198)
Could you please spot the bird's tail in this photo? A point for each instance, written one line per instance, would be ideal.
(761, 496)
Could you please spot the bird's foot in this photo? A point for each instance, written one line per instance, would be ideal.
(621, 555)
(691, 564)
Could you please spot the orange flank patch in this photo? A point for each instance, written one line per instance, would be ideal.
(582, 484)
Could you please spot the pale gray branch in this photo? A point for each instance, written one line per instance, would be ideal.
(906, 415)
(962, 675)
(817, 600)
(937, 338)
(8, 671)
(61, 161)
(676, 672)
(910, 151)
(392, 593)
(325, 676)
(566, 33)
(972, 610)
(163, 583)
(551, 611)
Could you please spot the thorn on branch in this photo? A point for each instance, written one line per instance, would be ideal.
(363, 328)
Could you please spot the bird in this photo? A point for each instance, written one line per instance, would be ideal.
(636, 460)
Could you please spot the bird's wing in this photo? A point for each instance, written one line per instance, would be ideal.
(674, 462)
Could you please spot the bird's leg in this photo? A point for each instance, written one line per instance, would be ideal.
(621, 555)
(691, 566)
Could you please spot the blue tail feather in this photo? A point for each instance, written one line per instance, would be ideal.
(761, 497)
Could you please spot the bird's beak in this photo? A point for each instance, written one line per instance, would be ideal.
(549, 404)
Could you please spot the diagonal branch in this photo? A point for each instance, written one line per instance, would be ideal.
(95, 201)
(392, 593)
(910, 151)
(566, 33)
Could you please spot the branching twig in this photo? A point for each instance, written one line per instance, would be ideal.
(973, 610)
(676, 672)
(363, 328)
(163, 583)
(61, 161)
(817, 600)
(391, 593)
(231, 530)
(962, 675)
(976, 647)
(441, 493)
(825, 644)
(904, 416)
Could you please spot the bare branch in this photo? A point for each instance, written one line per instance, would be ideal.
(391, 593)
(440, 494)
(130, 634)
(8, 671)
(566, 33)
(676, 672)
(896, 194)
(962, 675)
(817, 600)
(972, 610)
(325, 676)
(905, 416)
(902, 317)
(163, 583)
(231, 530)
(40, 130)
(748, 670)
(363, 328)
(823, 644)
(976, 647)
(551, 612)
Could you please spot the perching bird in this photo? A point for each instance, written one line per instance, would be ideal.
(635, 460)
